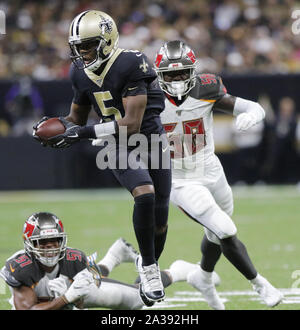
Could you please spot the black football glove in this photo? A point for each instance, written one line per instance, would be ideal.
(35, 127)
(66, 139)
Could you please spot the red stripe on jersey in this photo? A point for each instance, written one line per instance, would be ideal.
(171, 99)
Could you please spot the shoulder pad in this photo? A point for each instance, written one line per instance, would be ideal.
(208, 86)
(72, 71)
(22, 269)
(9, 278)
(138, 66)
(73, 74)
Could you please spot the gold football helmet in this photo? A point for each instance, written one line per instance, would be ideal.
(94, 32)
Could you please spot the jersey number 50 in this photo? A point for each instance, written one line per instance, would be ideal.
(195, 141)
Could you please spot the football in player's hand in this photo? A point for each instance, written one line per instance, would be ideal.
(50, 128)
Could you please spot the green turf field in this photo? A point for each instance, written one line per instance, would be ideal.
(267, 219)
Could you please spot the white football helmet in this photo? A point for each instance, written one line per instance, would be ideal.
(96, 27)
(175, 56)
(41, 226)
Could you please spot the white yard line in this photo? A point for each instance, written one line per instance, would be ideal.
(291, 296)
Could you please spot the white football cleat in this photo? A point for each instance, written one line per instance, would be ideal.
(216, 279)
(151, 284)
(270, 295)
(199, 281)
(179, 270)
(122, 251)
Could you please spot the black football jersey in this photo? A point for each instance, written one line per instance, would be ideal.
(126, 73)
(23, 269)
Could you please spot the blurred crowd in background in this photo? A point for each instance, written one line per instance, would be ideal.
(229, 37)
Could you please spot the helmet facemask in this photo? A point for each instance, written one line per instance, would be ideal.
(47, 256)
(177, 88)
(78, 58)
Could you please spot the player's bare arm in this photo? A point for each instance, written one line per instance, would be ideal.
(78, 114)
(26, 299)
(247, 112)
(225, 104)
(134, 112)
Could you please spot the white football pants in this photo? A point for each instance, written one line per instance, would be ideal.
(211, 205)
(113, 295)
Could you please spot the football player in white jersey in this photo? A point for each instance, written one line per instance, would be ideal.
(48, 275)
(199, 185)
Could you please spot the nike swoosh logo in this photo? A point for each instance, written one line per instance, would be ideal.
(165, 149)
(138, 55)
(130, 89)
(73, 136)
(11, 268)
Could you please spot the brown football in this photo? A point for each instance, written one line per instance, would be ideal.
(50, 128)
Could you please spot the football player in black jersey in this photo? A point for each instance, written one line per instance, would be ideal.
(121, 86)
(49, 275)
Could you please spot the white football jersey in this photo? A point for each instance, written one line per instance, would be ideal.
(189, 127)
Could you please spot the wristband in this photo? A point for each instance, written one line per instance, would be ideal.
(98, 131)
(109, 128)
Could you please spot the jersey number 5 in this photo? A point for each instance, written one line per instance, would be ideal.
(73, 255)
(101, 97)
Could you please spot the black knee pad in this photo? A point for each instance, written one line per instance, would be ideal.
(148, 198)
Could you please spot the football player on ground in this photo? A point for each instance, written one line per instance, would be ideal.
(199, 185)
(122, 87)
(49, 275)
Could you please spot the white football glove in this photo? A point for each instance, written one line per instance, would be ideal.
(245, 120)
(58, 286)
(80, 287)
